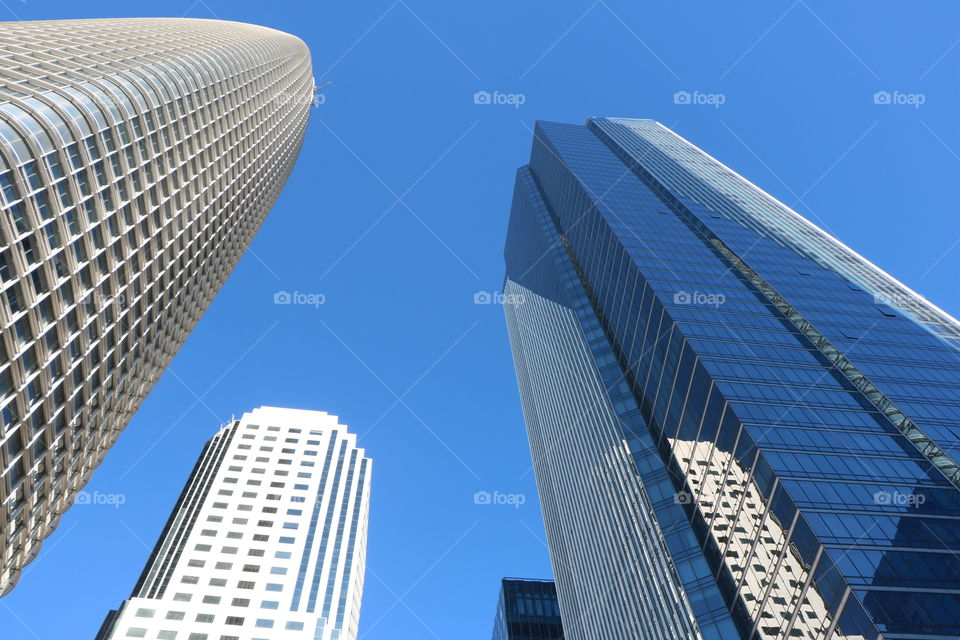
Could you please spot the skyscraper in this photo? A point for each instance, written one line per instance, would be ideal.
(527, 610)
(138, 158)
(268, 538)
(740, 428)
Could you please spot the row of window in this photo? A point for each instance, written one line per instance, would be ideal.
(261, 623)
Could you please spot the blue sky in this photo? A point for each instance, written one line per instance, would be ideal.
(396, 214)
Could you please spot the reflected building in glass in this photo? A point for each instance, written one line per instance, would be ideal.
(740, 428)
(138, 158)
(527, 610)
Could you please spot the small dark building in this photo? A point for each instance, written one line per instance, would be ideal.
(527, 610)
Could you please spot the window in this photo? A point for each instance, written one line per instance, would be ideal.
(138, 632)
(167, 635)
(197, 636)
(175, 615)
(295, 626)
(211, 599)
(203, 547)
(278, 571)
(272, 586)
(145, 613)
(240, 602)
(204, 617)
(263, 623)
(223, 565)
(196, 563)
(282, 554)
(182, 597)
(218, 582)
(269, 604)
(190, 579)
(228, 550)
(235, 620)
(245, 584)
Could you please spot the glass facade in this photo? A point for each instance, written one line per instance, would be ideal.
(740, 428)
(138, 157)
(527, 610)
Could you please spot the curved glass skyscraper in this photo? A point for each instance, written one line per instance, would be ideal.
(740, 428)
(138, 157)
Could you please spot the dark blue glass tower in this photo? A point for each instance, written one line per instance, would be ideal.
(740, 428)
(527, 610)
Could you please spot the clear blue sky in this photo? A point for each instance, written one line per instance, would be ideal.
(396, 213)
